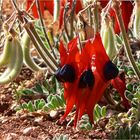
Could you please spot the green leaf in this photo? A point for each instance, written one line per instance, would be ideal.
(51, 106)
(45, 108)
(25, 105)
(36, 103)
(61, 103)
(97, 111)
(129, 87)
(133, 129)
(55, 102)
(31, 106)
(38, 88)
(118, 39)
(41, 104)
(137, 95)
(65, 137)
(129, 95)
(27, 92)
(103, 111)
(127, 133)
(46, 85)
(54, 88)
(62, 97)
(121, 133)
(134, 104)
(130, 72)
(88, 126)
(49, 98)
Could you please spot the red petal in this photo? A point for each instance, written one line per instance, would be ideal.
(49, 4)
(34, 8)
(70, 97)
(78, 6)
(97, 93)
(87, 53)
(100, 55)
(28, 4)
(69, 105)
(82, 100)
(73, 51)
(63, 54)
(104, 3)
(126, 8)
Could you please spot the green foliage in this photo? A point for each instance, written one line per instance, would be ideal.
(41, 33)
(99, 112)
(128, 132)
(118, 40)
(55, 101)
(50, 88)
(84, 123)
(38, 104)
(133, 94)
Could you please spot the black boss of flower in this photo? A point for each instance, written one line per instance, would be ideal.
(65, 74)
(110, 71)
(87, 79)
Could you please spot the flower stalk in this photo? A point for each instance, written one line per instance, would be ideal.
(43, 28)
(96, 18)
(31, 27)
(126, 42)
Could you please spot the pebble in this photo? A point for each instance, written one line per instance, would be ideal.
(10, 136)
(38, 120)
(53, 114)
(27, 131)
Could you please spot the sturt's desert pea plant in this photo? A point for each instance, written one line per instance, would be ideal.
(82, 54)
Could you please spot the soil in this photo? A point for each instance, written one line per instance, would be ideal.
(33, 126)
(25, 126)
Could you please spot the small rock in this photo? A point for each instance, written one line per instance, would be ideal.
(53, 114)
(27, 131)
(3, 119)
(38, 120)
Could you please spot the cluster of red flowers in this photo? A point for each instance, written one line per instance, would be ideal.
(126, 7)
(85, 75)
(49, 5)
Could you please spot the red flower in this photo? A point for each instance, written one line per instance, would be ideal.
(34, 8)
(87, 75)
(104, 2)
(49, 5)
(104, 72)
(126, 8)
